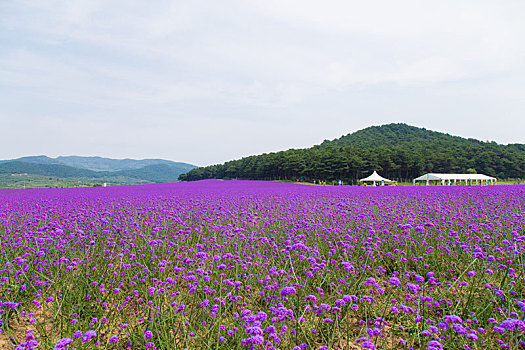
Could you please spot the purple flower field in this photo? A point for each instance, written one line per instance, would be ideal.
(262, 265)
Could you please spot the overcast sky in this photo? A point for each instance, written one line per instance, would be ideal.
(209, 81)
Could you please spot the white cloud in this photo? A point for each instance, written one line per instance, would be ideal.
(348, 63)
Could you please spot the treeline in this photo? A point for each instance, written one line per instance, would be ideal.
(397, 151)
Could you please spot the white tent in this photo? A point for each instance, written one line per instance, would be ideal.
(375, 177)
(447, 179)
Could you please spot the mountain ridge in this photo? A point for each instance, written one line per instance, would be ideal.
(96, 163)
(100, 169)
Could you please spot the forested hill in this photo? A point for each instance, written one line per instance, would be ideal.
(392, 135)
(397, 151)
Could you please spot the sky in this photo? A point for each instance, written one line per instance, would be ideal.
(204, 81)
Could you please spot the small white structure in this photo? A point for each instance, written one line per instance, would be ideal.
(375, 177)
(447, 179)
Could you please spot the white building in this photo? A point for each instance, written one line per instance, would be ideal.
(375, 177)
(449, 179)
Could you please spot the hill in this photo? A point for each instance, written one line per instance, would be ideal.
(91, 170)
(398, 151)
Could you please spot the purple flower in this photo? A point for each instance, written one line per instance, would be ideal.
(89, 335)
(255, 340)
(370, 280)
(254, 331)
(64, 342)
(472, 336)
(310, 297)
(459, 328)
(373, 332)
(349, 298)
(325, 307)
(368, 345)
(148, 335)
(500, 330)
(512, 324)
(77, 334)
(414, 288)
(394, 281)
(434, 345)
(453, 319)
(287, 291)
(270, 329)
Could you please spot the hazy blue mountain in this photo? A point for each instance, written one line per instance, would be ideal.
(108, 164)
(35, 159)
(100, 169)
(154, 173)
(50, 169)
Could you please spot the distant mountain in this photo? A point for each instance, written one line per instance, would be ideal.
(122, 171)
(398, 151)
(45, 169)
(161, 172)
(107, 164)
(35, 159)
(100, 163)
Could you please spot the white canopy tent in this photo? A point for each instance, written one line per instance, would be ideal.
(375, 177)
(447, 179)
